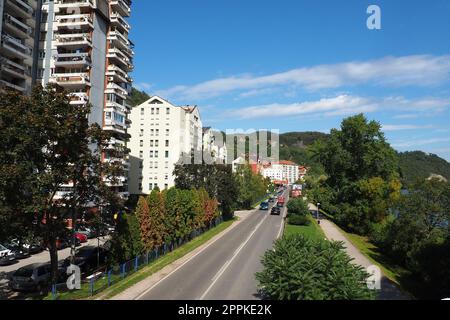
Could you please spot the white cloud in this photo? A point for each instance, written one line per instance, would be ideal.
(339, 106)
(416, 70)
(422, 142)
(143, 86)
(399, 127)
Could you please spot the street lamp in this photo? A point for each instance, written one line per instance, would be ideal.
(318, 205)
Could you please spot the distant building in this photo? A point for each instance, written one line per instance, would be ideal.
(162, 134)
(283, 172)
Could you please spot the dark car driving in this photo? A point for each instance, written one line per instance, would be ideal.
(275, 211)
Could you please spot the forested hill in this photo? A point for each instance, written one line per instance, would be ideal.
(300, 139)
(137, 97)
(420, 165)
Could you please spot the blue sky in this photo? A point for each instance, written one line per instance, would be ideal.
(301, 65)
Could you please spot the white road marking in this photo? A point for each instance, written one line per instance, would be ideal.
(181, 265)
(226, 265)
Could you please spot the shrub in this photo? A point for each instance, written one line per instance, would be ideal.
(299, 220)
(300, 268)
(297, 206)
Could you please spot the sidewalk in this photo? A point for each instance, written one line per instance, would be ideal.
(389, 290)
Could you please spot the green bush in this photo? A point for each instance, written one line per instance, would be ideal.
(297, 206)
(300, 268)
(299, 220)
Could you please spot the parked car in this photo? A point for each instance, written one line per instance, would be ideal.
(6, 256)
(18, 251)
(271, 200)
(34, 277)
(264, 206)
(275, 211)
(82, 237)
(89, 258)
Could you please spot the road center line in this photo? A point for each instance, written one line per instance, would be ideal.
(226, 265)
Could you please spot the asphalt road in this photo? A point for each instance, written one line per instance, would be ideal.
(226, 269)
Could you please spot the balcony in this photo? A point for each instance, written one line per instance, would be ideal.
(72, 60)
(15, 47)
(72, 79)
(74, 21)
(121, 6)
(119, 39)
(14, 69)
(79, 98)
(12, 85)
(117, 74)
(19, 8)
(117, 56)
(118, 21)
(116, 89)
(66, 4)
(77, 40)
(16, 28)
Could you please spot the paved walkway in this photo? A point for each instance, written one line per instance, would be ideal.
(389, 290)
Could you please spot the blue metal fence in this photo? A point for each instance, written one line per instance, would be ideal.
(106, 277)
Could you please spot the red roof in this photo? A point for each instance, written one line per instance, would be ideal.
(289, 163)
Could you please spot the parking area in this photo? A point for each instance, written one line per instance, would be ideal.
(43, 257)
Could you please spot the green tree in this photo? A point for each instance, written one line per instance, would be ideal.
(126, 242)
(299, 268)
(297, 206)
(48, 144)
(157, 216)
(145, 223)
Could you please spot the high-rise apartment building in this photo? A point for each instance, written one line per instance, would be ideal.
(162, 134)
(85, 49)
(19, 30)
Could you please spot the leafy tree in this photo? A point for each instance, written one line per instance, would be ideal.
(252, 187)
(362, 171)
(157, 216)
(48, 145)
(126, 242)
(145, 223)
(300, 268)
(297, 206)
(216, 179)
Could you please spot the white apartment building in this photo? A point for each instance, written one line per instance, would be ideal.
(161, 135)
(19, 31)
(85, 49)
(282, 172)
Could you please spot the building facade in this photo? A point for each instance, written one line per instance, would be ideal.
(19, 30)
(84, 48)
(283, 172)
(162, 134)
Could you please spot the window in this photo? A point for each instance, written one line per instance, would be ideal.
(156, 143)
(167, 132)
(151, 143)
(156, 154)
(167, 154)
(157, 110)
(166, 186)
(141, 154)
(166, 177)
(166, 165)
(167, 110)
(142, 111)
(151, 164)
(141, 133)
(150, 186)
(141, 143)
(151, 153)
(167, 143)
(152, 132)
(156, 164)
(157, 132)
(153, 111)
(108, 115)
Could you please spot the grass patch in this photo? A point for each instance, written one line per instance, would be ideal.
(392, 271)
(312, 231)
(145, 272)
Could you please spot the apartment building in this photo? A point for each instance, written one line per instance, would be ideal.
(283, 172)
(85, 49)
(19, 30)
(162, 135)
